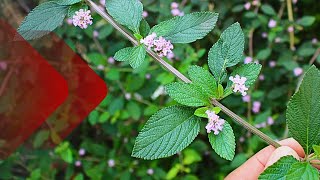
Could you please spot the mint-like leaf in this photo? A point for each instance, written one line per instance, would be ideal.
(187, 94)
(42, 20)
(167, 132)
(202, 78)
(224, 143)
(144, 28)
(251, 71)
(126, 12)
(134, 55)
(67, 2)
(226, 52)
(279, 169)
(302, 171)
(303, 113)
(187, 28)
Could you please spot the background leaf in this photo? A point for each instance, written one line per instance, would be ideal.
(303, 113)
(187, 94)
(126, 12)
(67, 2)
(188, 28)
(42, 20)
(302, 171)
(224, 143)
(167, 132)
(227, 51)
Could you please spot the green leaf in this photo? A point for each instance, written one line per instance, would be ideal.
(303, 111)
(67, 2)
(302, 171)
(134, 55)
(40, 138)
(220, 91)
(42, 20)
(306, 21)
(224, 143)
(126, 12)
(167, 132)
(144, 28)
(76, 7)
(191, 156)
(227, 52)
(279, 169)
(187, 94)
(201, 112)
(202, 78)
(316, 150)
(267, 9)
(188, 28)
(251, 71)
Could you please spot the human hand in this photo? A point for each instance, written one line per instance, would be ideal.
(252, 168)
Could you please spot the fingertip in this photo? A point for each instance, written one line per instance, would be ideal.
(279, 153)
(292, 143)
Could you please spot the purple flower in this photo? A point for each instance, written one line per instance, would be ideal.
(103, 2)
(174, 5)
(175, 12)
(272, 23)
(270, 121)
(246, 98)
(100, 67)
(297, 71)
(82, 152)
(264, 35)
(148, 76)
(255, 2)
(314, 40)
(241, 139)
(145, 14)
(69, 21)
(239, 84)
(248, 59)
(111, 163)
(294, 1)
(3, 65)
(163, 47)
(150, 171)
(149, 40)
(170, 55)
(95, 33)
(127, 96)
(272, 63)
(247, 5)
(261, 77)
(111, 60)
(290, 29)
(215, 124)
(82, 18)
(256, 106)
(77, 163)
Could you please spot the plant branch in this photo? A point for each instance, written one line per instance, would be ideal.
(290, 17)
(179, 75)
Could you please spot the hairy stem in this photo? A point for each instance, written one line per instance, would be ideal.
(290, 17)
(179, 75)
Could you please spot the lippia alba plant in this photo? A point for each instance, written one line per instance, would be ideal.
(173, 128)
(303, 119)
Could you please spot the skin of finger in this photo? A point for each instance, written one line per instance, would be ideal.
(252, 168)
(279, 153)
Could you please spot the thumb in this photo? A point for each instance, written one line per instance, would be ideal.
(279, 153)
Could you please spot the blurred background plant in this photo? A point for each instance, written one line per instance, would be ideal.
(282, 35)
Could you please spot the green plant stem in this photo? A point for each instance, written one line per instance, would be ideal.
(290, 17)
(183, 78)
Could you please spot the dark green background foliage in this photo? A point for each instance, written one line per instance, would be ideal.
(109, 132)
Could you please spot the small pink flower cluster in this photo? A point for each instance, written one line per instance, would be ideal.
(269, 122)
(175, 11)
(239, 84)
(272, 23)
(160, 45)
(247, 5)
(248, 60)
(215, 124)
(297, 71)
(256, 107)
(82, 18)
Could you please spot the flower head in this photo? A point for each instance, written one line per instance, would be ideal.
(297, 71)
(150, 171)
(264, 35)
(149, 40)
(95, 33)
(145, 14)
(256, 106)
(174, 5)
(111, 163)
(246, 98)
(270, 121)
(111, 60)
(314, 40)
(272, 63)
(261, 77)
(82, 152)
(239, 84)
(175, 12)
(100, 67)
(272, 23)
(247, 5)
(248, 59)
(77, 163)
(290, 29)
(215, 124)
(163, 47)
(82, 18)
